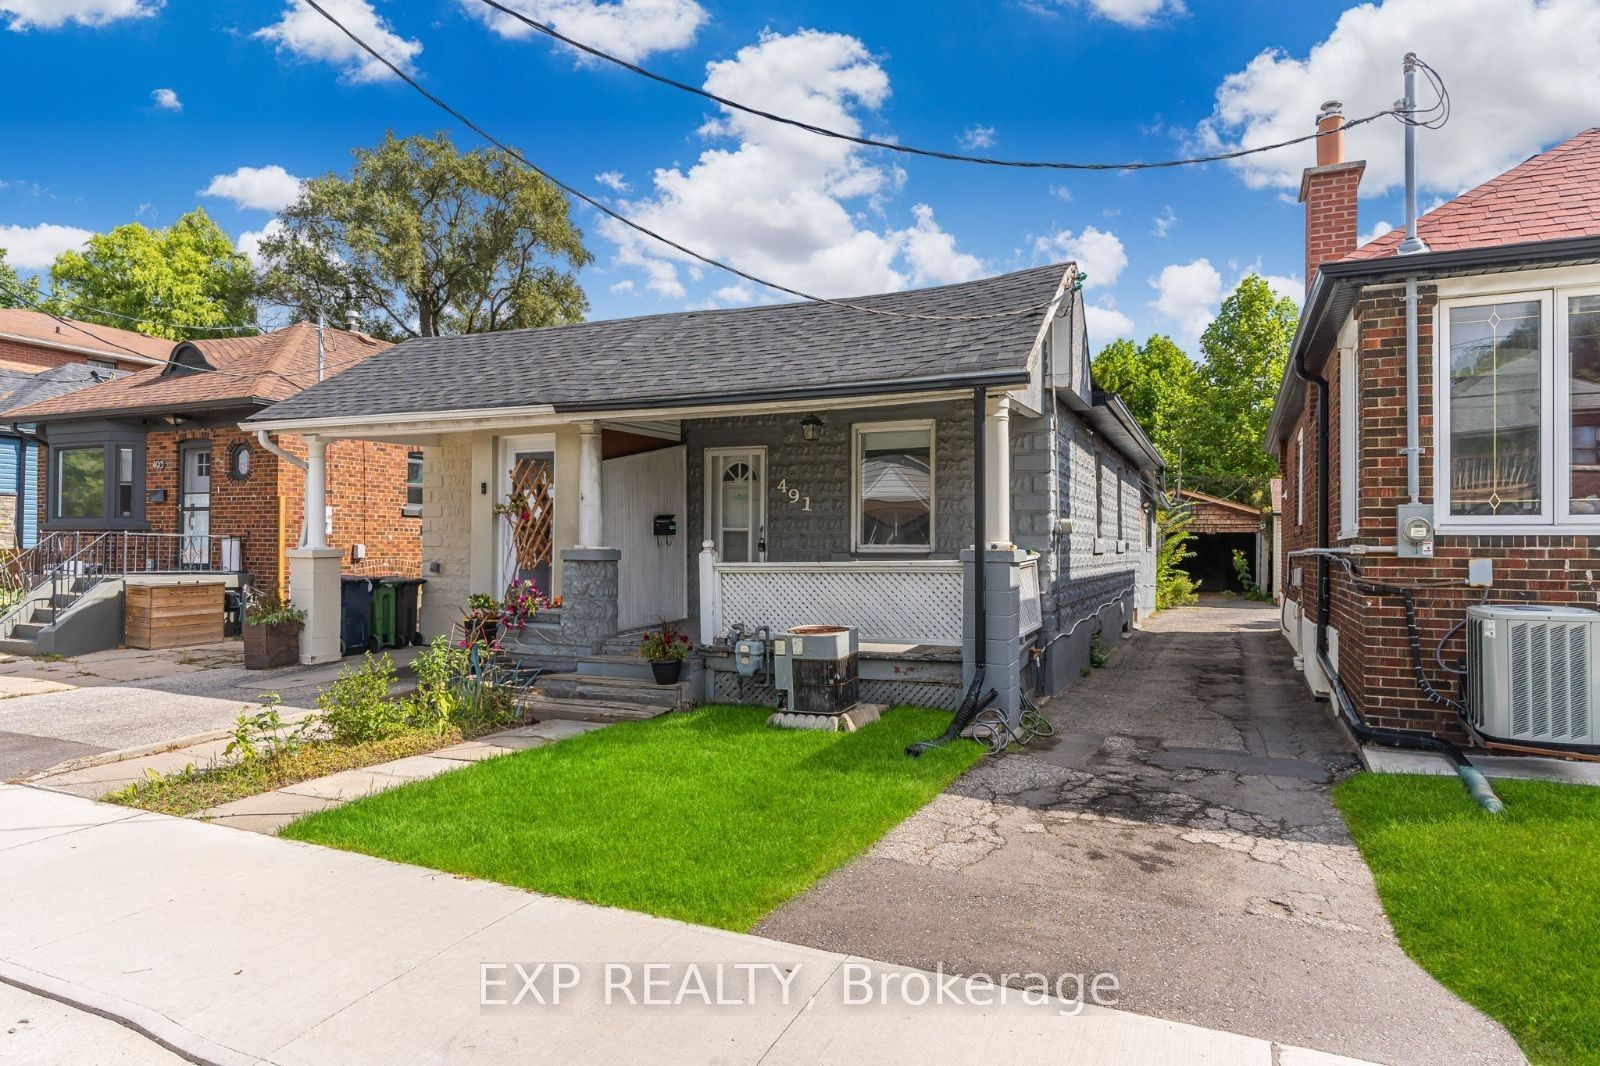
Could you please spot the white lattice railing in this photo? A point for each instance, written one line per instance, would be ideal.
(916, 602)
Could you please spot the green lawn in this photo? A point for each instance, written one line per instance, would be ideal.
(710, 816)
(1504, 911)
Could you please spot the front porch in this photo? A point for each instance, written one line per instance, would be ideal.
(858, 512)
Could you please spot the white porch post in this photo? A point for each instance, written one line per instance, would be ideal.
(997, 455)
(590, 527)
(710, 594)
(314, 569)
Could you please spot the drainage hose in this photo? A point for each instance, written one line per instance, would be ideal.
(970, 706)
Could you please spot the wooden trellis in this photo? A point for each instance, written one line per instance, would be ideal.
(531, 512)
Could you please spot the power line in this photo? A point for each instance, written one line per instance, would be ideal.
(70, 302)
(579, 194)
(906, 149)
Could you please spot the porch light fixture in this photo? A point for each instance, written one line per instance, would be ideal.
(811, 427)
(175, 420)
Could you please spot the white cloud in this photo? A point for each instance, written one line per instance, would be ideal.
(1098, 253)
(1062, 193)
(1514, 91)
(1162, 224)
(1188, 294)
(624, 287)
(780, 202)
(1286, 285)
(49, 14)
(932, 253)
(1106, 324)
(628, 29)
(307, 35)
(977, 137)
(268, 188)
(36, 247)
(613, 180)
(1376, 230)
(166, 99)
(249, 242)
(1135, 14)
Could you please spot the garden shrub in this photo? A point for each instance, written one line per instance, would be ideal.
(356, 708)
(1174, 587)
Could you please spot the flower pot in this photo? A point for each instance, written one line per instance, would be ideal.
(667, 673)
(268, 647)
(485, 631)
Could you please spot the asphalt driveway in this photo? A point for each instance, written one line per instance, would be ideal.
(1176, 832)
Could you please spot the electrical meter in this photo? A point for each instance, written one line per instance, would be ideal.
(1415, 538)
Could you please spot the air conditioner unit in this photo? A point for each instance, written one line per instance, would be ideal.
(816, 669)
(1531, 673)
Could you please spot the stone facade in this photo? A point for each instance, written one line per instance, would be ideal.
(589, 595)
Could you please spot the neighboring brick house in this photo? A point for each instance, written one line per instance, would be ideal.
(1506, 469)
(161, 451)
(42, 356)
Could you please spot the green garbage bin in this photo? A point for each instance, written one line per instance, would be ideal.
(384, 628)
(408, 608)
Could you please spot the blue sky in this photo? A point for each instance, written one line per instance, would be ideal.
(139, 109)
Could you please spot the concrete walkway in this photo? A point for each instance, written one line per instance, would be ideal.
(1177, 831)
(243, 948)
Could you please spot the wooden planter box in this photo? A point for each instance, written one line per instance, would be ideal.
(173, 616)
(267, 647)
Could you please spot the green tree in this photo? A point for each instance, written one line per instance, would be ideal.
(1245, 350)
(164, 280)
(424, 240)
(1159, 383)
(14, 292)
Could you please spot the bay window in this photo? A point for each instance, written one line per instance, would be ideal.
(893, 497)
(1518, 420)
(95, 477)
(81, 483)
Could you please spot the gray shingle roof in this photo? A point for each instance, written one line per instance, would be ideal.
(694, 355)
(18, 390)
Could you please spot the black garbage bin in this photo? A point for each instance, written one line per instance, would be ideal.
(355, 615)
(408, 609)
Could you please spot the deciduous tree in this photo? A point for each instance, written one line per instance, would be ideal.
(165, 281)
(422, 240)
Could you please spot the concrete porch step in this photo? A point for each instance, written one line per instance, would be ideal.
(27, 630)
(18, 647)
(630, 667)
(547, 709)
(617, 690)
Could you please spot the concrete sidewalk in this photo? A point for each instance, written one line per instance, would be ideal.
(241, 948)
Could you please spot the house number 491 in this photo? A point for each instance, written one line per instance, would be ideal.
(794, 495)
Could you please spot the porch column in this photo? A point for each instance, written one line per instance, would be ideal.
(316, 492)
(997, 482)
(590, 527)
(314, 569)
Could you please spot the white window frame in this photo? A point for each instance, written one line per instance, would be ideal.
(1553, 365)
(855, 487)
(1562, 460)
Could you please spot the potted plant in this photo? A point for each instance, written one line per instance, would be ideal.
(665, 649)
(271, 630)
(521, 603)
(482, 623)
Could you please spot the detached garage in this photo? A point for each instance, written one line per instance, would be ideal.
(1219, 528)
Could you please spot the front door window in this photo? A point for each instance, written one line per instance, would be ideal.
(194, 545)
(737, 511)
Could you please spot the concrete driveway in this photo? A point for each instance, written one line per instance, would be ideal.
(1176, 832)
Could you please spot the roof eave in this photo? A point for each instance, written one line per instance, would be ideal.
(147, 410)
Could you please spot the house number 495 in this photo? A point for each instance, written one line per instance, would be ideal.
(794, 495)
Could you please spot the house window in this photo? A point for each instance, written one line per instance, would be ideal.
(413, 483)
(1583, 404)
(1495, 389)
(1099, 497)
(124, 501)
(1120, 535)
(894, 492)
(1349, 440)
(81, 482)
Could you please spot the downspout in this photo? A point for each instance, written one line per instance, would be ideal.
(266, 441)
(1411, 245)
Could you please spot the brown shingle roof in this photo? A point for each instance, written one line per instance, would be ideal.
(244, 372)
(1553, 195)
(112, 342)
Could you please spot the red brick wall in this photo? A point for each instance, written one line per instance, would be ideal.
(1374, 657)
(28, 358)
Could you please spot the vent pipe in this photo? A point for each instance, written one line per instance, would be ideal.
(352, 320)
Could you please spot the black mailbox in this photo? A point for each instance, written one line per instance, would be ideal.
(666, 525)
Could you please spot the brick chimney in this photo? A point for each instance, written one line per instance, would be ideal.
(1329, 192)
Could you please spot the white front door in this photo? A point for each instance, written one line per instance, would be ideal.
(195, 509)
(736, 503)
